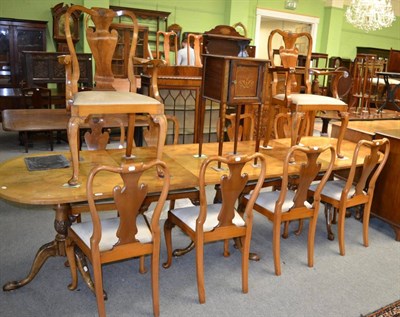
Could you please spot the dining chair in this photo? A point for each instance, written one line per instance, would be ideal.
(365, 88)
(150, 131)
(98, 137)
(102, 39)
(129, 235)
(165, 38)
(291, 88)
(357, 189)
(246, 126)
(196, 41)
(290, 203)
(218, 221)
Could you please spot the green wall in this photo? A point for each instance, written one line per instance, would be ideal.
(335, 36)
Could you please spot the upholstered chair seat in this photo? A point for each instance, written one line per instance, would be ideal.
(109, 226)
(355, 190)
(310, 99)
(188, 215)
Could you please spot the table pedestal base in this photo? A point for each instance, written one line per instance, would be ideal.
(51, 249)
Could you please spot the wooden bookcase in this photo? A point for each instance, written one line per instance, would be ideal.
(17, 36)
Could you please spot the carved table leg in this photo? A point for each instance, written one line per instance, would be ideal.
(180, 252)
(84, 270)
(54, 248)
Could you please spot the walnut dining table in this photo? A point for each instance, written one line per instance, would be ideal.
(50, 187)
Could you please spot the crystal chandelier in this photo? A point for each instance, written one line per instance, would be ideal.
(370, 15)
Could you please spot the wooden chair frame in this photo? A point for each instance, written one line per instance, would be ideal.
(279, 213)
(102, 39)
(231, 187)
(291, 98)
(128, 200)
(356, 190)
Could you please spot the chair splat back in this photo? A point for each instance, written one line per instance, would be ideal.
(219, 221)
(106, 240)
(289, 58)
(355, 191)
(308, 172)
(369, 172)
(290, 203)
(102, 40)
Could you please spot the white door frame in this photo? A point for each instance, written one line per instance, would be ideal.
(279, 15)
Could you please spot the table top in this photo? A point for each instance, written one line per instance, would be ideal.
(389, 74)
(371, 127)
(50, 187)
(386, 114)
(17, 93)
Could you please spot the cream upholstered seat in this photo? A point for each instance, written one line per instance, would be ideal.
(291, 89)
(104, 99)
(290, 202)
(218, 222)
(356, 190)
(128, 235)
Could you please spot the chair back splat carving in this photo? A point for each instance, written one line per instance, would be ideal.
(291, 88)
(355, 190)
(167, 37)
(219, 221)
(105, 98)
(129, 235)
(197, 41)
(290, 202)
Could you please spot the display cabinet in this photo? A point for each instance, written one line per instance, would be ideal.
(17, 36)
(121, 54)
(152, 19)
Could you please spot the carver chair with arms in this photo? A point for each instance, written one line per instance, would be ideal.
(288, 203)
(104, 99)
(291, 88)
(127, 236)
(358, 189)
(218, 221)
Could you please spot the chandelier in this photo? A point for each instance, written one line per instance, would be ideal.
(370, 15)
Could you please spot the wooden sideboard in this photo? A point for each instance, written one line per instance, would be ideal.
(386, 202)
(42, 68)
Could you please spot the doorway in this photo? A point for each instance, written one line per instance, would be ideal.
(268, 20)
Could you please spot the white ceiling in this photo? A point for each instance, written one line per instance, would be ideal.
(341, 3)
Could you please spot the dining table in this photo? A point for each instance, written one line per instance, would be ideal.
(392, 84)
(50, 187)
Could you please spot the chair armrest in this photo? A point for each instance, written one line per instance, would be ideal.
(69, 83)
(153, 65)
(336, 76)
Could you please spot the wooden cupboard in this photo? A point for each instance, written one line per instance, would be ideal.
(17, 36)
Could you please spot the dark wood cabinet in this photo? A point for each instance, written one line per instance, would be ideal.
(17, 36)
(42, 68)
(152, 20)
(386, 202)
(121, 54)
(232, 81)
